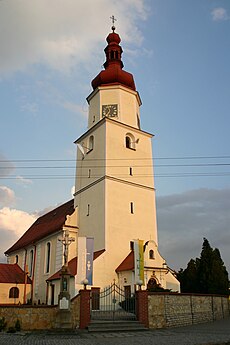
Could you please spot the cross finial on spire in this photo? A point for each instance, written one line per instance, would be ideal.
(113, 21)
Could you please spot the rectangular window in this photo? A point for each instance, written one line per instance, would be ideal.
(88, 207)
(131, 207)
(89, 173)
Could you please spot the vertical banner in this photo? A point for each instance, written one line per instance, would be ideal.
(139, 260)
(89, 259)
(81, 260)
(136, 260)
(85, 260)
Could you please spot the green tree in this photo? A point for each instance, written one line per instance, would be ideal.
(205, 268)
(189, 277)
(206, 275)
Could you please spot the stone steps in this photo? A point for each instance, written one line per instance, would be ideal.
(115, 326)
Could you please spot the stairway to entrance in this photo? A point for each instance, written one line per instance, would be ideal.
(113, 310)
(115, 326)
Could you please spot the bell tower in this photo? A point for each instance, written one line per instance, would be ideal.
(114, 94)
(114, 189)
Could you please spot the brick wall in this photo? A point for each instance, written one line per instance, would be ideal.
(39, 317)
(30, 317)
(169, 310)
(164, 310)
(142, 307)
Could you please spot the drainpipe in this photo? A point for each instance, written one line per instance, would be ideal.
(34, 264)
(47, 292)
(26, 271)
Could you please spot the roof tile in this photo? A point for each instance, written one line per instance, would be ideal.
(12, 273)
(44, 226)
(127, 264)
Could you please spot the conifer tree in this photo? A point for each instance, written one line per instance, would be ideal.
(206, 275)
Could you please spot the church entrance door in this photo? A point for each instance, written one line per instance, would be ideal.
(112, 303)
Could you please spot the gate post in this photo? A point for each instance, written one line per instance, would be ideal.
(84, 308)
(142, 307)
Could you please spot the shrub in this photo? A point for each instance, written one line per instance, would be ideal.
(2, 324)
(11, 330)
(128, 304)
(17, 326)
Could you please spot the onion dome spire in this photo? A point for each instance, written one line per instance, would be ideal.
(113, 73)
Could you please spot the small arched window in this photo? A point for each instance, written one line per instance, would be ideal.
(48, 254)
(14, 292)
(130, 141)
(16, 259)
(151, 254)
(91, 143)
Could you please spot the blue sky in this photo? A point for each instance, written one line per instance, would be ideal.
(178, 52)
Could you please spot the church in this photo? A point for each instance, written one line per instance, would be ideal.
(114, 202)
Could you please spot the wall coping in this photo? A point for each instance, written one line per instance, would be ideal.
(27, 306)
(186, 294)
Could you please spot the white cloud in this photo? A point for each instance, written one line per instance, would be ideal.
(24, 181)
(13, 223)
(6, 167)
(219, 14)
(62, 34)
(76, 108)
(15, 220)
(30, 107)
(7, 196)
(184, 219)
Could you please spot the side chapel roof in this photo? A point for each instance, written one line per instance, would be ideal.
(45, 225)
(12, 273)
(127, 264)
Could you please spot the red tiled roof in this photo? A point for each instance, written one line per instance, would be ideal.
(12, 273)
(44, 226)
(72, 265)
(127, 264)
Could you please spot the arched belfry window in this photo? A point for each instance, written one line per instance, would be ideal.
(14, 292)
(151, 254)
(91, 143)
(130, 141)
(48, 256)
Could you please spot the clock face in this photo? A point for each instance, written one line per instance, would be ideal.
(110, 110)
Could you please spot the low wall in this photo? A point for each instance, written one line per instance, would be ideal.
(30, 317)
(39, 317)
(169, 309)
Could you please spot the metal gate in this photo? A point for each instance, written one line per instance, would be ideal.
(112, 303)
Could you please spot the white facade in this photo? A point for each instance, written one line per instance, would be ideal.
(44, 258)
(115, 194)
(114, 199)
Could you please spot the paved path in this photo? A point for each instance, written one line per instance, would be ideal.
(217, 332)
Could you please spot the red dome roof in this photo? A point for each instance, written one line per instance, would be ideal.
(113, 37)
(113, 73)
